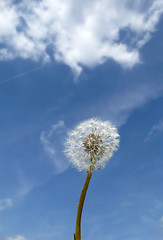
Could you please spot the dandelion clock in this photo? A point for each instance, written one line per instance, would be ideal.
(89, 147)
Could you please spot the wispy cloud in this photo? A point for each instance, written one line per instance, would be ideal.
(26, 184)
(147, 219)
(19, 237)
(156, 129)
(123, 102)
(48, 139)
(161, 222)
(79, 33)
(6, 203)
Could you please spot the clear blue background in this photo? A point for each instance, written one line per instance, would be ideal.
(125, 200)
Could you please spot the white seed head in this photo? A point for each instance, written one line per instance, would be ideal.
(91, 144)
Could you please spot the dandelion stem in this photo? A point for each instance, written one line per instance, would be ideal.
(80, 206)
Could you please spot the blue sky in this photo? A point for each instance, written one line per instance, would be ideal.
(62, 62)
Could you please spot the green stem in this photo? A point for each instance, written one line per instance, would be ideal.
(77, 235)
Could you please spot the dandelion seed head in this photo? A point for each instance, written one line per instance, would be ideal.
(91, 144)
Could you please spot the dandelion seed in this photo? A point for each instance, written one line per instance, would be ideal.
(92, 143)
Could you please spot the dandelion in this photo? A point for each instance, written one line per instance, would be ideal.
(89, 146)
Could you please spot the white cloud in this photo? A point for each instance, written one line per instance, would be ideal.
(80, 33)
(155, 130)
(6, 203)
(16, 238)
(49, 140)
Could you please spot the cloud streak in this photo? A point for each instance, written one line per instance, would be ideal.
(78, 33)
(18, 76)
